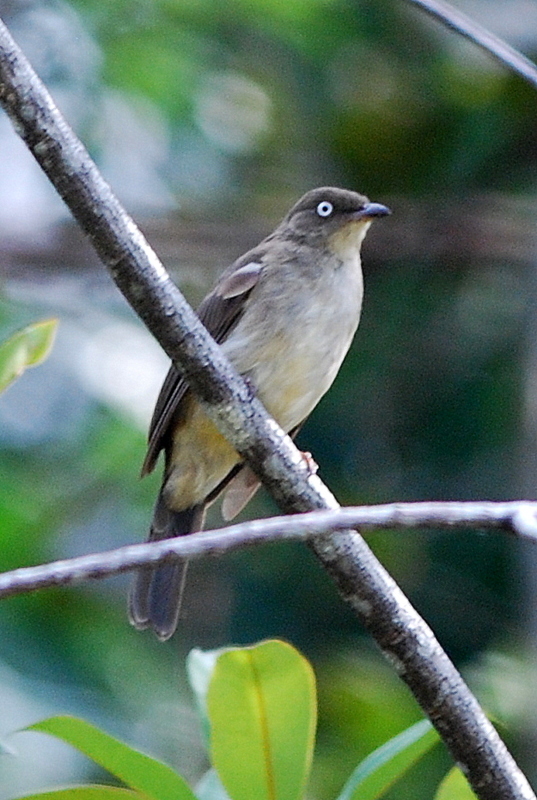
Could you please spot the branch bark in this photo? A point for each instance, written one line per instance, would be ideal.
(507, 56)
(518, 517)
(403, 636)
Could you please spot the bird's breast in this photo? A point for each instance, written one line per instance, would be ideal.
(293, 337)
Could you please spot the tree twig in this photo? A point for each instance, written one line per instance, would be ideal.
(403, 636)
(488, 41)
(518, 517)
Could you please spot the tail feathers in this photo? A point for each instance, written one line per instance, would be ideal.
(239, 492)
(155, 598)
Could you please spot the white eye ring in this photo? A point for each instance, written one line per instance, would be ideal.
(325, 208)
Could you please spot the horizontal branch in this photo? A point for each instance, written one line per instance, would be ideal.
(518, 517)
(495, 46)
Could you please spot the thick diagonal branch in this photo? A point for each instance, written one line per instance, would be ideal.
(403, 636)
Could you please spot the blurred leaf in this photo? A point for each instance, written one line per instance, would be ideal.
(86, 793)
(140, 772)
(262, 709)
(454, 787)
(210, 787)
(26, 348)
(389, 762)
(200, 667)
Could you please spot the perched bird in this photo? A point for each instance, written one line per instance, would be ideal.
(285, 314)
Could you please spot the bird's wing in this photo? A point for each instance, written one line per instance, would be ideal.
(219, 311)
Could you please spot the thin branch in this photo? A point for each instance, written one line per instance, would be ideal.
(403, 636)
(492, 44)
(518, 517)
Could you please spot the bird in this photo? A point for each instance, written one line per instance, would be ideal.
(285, 314)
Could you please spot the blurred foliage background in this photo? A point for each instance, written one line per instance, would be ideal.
(209, 119)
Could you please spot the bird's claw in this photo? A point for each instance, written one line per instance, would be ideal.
(310, 462)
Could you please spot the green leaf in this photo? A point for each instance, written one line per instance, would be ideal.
(26, 348)
(389, 762)
(142, 773)
(86, 793)
(454, 787)
(262, 710)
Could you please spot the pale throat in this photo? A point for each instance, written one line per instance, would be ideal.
(346, 242)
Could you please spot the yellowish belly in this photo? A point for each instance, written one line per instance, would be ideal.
(201, 459)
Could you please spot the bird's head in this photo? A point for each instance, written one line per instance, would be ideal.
(332, 217)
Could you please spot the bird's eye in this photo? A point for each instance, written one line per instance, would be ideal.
(324, 209)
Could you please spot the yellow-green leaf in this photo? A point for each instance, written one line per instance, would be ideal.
(454, 787)
(385, 765)
(262, 710)
(26, 348)
(144, 774)
(87, 793)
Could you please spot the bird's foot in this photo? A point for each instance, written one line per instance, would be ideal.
(310, 462)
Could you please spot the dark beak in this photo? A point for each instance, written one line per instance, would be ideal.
(373, 210)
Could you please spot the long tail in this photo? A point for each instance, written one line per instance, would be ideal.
(155, 598)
